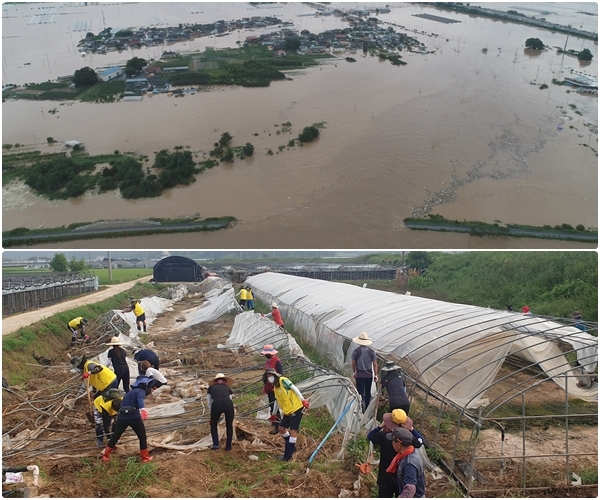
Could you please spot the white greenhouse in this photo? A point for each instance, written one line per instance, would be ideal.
(485, 385)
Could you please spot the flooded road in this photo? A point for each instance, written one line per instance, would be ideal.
(457, 132)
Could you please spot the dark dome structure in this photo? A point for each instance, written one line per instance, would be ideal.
(176, 268)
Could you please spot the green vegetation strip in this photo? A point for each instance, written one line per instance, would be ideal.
(478, 228)
(23, 236)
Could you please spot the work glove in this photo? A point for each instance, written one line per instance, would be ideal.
(376, 379)
(305, 403)
(86, 375)
(144, 413)
(272, 418)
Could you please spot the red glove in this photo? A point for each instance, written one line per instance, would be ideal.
(305, 403)
(376, 379)
(272, 418)
(354, 375)
(144, 413)
(210, 422)
(86, 375)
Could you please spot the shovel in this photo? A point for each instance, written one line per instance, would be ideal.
(366, 467)
(89, 414)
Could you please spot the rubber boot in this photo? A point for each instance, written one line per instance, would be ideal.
(228, 444)
(275, 429)
(100, 443)
(145, 457)
(106, 455)
(290, 448)
(215, 438)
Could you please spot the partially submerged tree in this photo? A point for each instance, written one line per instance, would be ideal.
(534, 43)
(585, 55)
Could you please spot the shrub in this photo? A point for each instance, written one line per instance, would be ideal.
(50, 140)
(580, 227)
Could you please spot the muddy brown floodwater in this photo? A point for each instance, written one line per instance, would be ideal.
(457, 132)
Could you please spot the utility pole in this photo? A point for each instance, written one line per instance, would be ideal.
(109, 269)
(565, 49)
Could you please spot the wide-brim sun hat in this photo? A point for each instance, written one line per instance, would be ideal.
(228, 380)
(268, 349)
(408, 424)
(114, 341)
(390, 368)
(389, 423)
(274, 304)
(362, 339)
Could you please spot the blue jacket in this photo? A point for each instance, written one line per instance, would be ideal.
(134, 398)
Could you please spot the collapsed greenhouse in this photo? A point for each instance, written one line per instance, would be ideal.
(505, 401)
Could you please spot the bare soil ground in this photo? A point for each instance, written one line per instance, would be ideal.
(71, 466)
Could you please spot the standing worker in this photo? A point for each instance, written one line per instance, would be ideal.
(364, 367)
(105, 411)
(292, 403)
(149, 355)
(407, 465)
(388, 485)
(393, 383)
(135, 306)
(275, 314)
(273, 362)
(219, 396)
(117, 356)
(101, 378)
(242, 294)
(576, 315)
(132, 414)
(249, 298)
(75, 326)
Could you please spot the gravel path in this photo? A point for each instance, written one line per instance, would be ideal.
(11, 324)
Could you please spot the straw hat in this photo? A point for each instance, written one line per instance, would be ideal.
(362, 339)
(228, 380)
(114, 341)
(268, 349)
(390, 367)
(274, 304)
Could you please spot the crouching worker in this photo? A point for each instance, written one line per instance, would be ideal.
(100, 377)
(291, 402)
(132, 414)
(105, 411)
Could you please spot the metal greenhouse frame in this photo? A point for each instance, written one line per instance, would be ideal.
(504, 399)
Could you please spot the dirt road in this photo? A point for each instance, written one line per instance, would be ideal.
(13, 323)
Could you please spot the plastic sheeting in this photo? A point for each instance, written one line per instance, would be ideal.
(219, 302)
(254, 331)
(455, 349)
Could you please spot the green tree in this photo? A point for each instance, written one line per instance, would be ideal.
(292, 44)
(534, 43)
(248, 149)
(77, 266)
(585, 55)
(59, 263)
(50, 140)
(85, 76)
(308, 134)
(419, 260)
(135, 65)
(225, 139)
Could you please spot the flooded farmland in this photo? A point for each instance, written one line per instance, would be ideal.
(459, 132)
